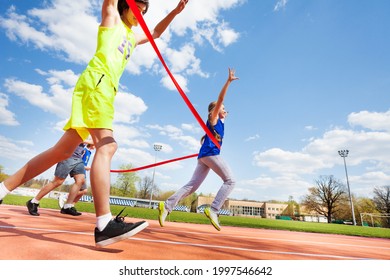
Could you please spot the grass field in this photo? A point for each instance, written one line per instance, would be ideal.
(176, 216)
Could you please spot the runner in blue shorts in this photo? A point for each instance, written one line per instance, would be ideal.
(63, 199)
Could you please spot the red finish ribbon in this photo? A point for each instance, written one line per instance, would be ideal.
(154, 165)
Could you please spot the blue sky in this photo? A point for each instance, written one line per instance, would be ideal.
(314, 79)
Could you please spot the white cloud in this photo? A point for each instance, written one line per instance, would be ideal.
(184, 60)
(194, 128)
(140, 158)
(167, 82)
(363, 146)
(59, 28)
(128, 108)
(322, 153)
(67, 77)
(217, 34)
(15, 150)
(320, 156)
(6, 116)
(57, 101)
(136, 157)
(175, 133)
(310, 128)
(55, 26)
(226, 35)
(280, 161)
(371, 120)
(251, 138)
(279, 186)
(281, 4)
(129, 136)
(196, 12)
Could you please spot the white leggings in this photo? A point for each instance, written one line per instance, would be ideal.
(218, 165)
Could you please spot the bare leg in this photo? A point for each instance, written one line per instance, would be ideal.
(79, 195)
(57, 181)
(100, 170)
(74, 190)
(62, 150)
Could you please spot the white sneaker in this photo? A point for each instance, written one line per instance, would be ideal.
(162, 213)
(213, 217)
(61, 200)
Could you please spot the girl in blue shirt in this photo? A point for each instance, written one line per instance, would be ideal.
(208, 158)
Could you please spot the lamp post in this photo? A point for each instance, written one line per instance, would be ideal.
(156, 148)
(344, 154)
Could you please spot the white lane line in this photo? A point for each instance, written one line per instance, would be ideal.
(285, 240)
(46, 230)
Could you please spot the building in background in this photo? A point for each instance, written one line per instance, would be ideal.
(244, 208)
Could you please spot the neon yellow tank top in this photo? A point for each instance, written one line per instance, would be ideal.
(114, 48)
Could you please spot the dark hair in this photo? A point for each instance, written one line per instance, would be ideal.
(122, 5)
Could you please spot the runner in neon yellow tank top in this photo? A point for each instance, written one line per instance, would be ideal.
(101, 79)
(93, 113)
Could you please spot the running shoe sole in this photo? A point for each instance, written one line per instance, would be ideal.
(123, 236)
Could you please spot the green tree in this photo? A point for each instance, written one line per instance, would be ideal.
(3, 176)
(365, 205)
(146, 187)
(165, 195)
(126, 182)
(292, 210)
(382, 202)
(325, 197)
(189, 201)
(382, 199)
(344, 208)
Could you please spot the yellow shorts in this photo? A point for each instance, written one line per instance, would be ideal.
(92, 103)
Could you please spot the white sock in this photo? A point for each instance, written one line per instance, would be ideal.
(34, 200)
(66, 206)
(3, 190)
(102, 221)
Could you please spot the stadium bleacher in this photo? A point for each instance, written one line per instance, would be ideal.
(224, 212)
(182, 208)
(133, 203)
(113, 201)
(122, 201)
(86, 198)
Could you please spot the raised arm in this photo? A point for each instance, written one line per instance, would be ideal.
(163, 24)
(110, 15)
(214, 114)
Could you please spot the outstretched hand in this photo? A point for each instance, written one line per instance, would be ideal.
(180, 7)
(232, 76)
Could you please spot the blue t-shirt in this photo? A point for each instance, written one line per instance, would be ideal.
(208, 147)
(86, 156)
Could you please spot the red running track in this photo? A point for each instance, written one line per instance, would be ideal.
(55, 236)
